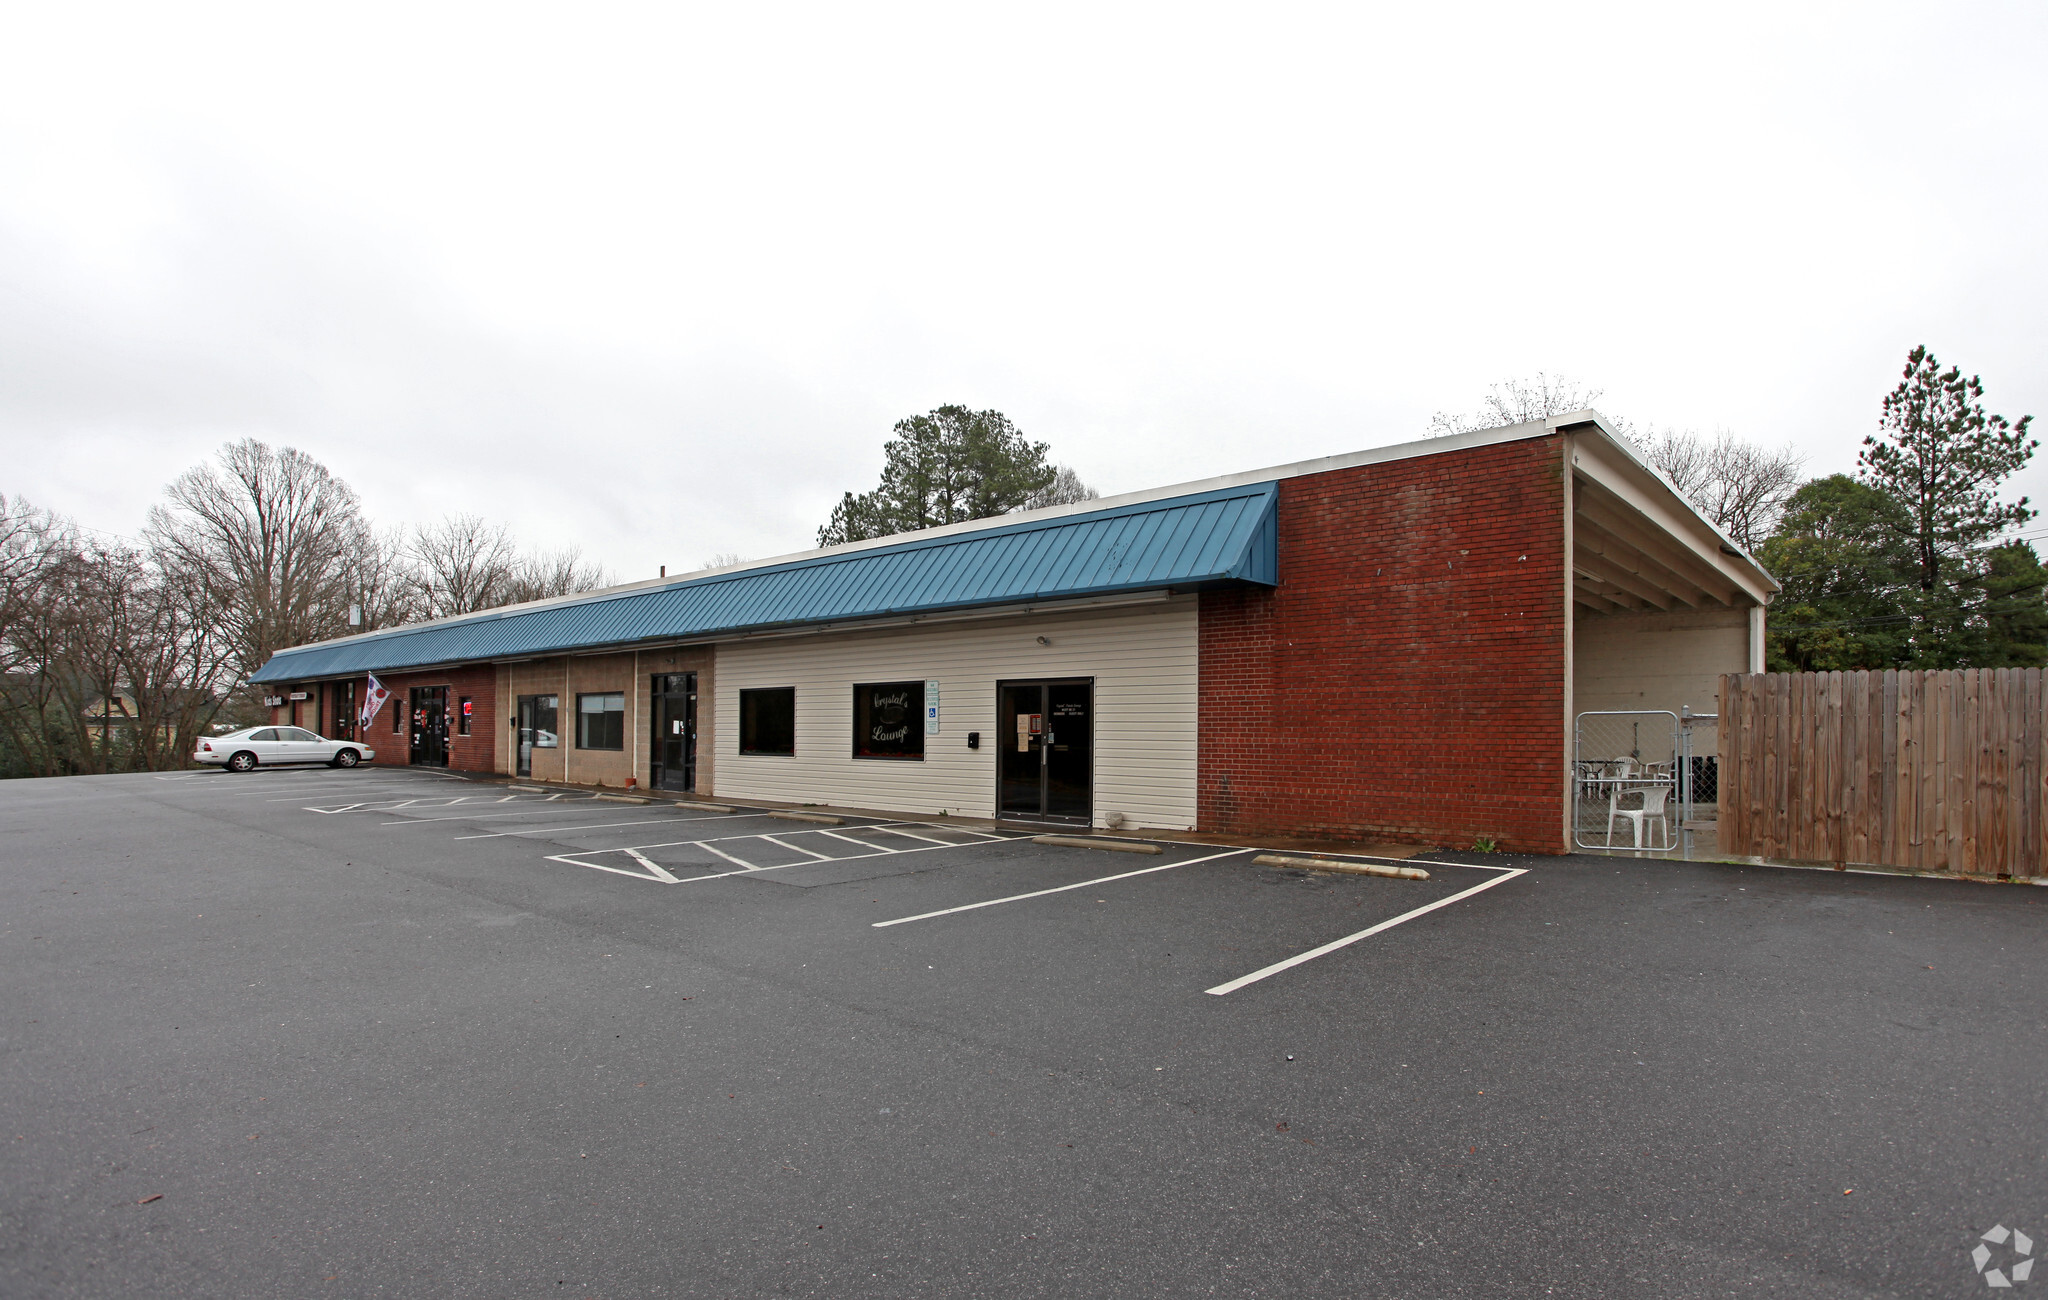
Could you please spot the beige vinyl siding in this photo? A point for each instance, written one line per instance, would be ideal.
(1142, 657)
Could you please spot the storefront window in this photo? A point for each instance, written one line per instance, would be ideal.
(464, 710)
(601, 721)
(888, 720)
(768, 721)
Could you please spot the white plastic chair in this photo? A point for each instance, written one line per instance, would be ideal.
(1653, 807)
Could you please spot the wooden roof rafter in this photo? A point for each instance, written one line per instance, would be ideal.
(1607, 526)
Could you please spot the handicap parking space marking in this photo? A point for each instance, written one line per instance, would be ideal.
(599, 826)
(375, 805)
(315, 776)
(1057, 889)
(304, 788)
(371, 803)
(460, 798)
(467, 817)
(815, 856)
(1505, 874)
(708, 847)
(394, 802)
(654, 868)
(747, 868)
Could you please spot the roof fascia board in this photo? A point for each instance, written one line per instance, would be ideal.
(1641, 460)
(1608, 460)
(1079, 605)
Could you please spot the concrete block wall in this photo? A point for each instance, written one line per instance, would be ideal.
(1406, 679)
(629, 672)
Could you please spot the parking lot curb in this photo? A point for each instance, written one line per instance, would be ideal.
(622, 798)
(1350, 868)
(701, 807)
(1086, 842)
(822, 819)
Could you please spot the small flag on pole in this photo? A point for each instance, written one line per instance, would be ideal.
(373, 700)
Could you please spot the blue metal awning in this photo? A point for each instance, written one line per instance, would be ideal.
(1224, 536)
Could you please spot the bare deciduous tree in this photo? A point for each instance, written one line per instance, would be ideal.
(381, 581)
(464, 565)
(263, 532)
(1519, 401)
(1740, 486)
(107, 663)
(1065, 489)
(554, 573)
(116, 656)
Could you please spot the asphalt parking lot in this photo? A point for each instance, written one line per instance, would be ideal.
(393, 1033)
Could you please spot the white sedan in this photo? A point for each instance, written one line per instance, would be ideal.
(239, 751)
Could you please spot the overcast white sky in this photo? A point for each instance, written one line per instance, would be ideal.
(656, 281)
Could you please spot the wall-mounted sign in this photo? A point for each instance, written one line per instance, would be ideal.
(273, 701)
(301, 695)
(931, 708)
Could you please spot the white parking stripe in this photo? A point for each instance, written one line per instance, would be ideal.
(893, 830)
(1057, 889)
(862, 843)
(651, 865)
(463, 817)
(798, 848)
(1507, 874)
(712, 848)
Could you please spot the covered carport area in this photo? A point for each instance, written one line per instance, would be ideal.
(1663, 603)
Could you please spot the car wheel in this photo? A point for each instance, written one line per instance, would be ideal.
(347, 758)
(242, 762)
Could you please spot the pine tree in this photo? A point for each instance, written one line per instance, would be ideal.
(951, 465)
(1941, 458)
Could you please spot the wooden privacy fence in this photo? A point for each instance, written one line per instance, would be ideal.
(1932, 771)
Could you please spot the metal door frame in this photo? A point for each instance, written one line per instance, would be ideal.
(1041, 817)
(414, 737)
(656, 769)
(523, 709)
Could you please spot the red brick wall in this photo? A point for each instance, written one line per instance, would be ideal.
(471, 753)
(1406, 679)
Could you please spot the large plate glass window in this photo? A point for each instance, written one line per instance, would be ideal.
(601, 721)
(768, 721)
(888, 720)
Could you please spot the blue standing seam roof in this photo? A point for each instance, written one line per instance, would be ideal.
(1225, 536)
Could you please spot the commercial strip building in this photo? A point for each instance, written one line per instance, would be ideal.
(1391, 644)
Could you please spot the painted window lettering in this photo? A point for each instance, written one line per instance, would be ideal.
(887, 720)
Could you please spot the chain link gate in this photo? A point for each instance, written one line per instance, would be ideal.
(1644, 775)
